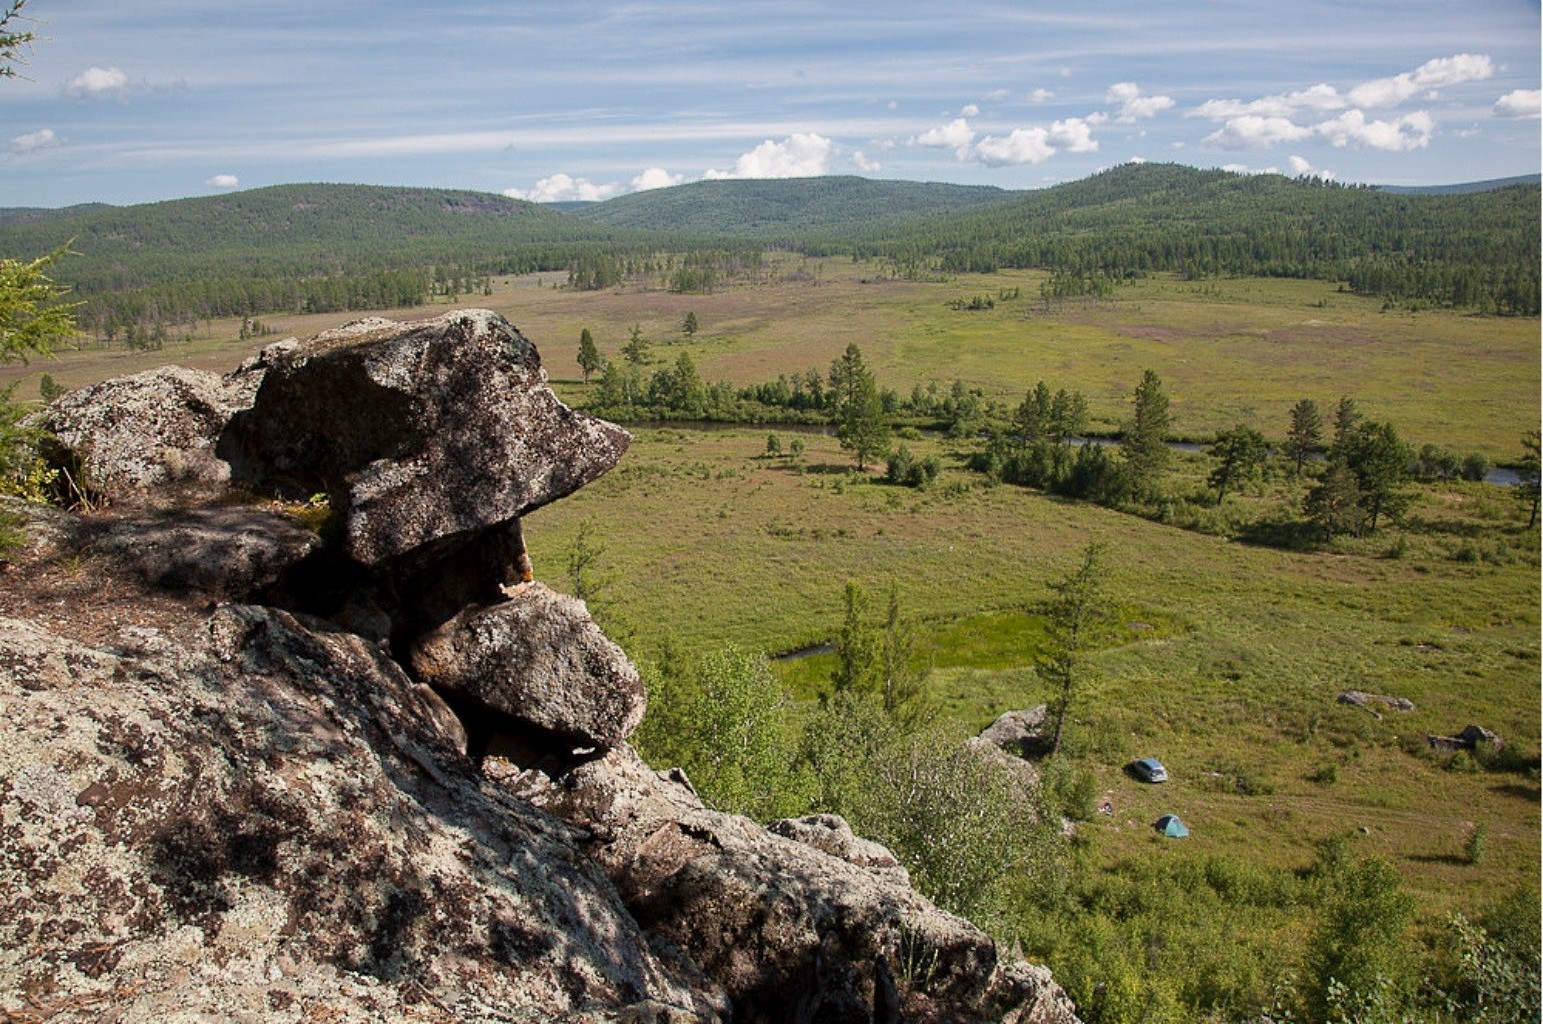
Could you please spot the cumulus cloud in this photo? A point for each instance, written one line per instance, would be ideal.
(1036, 145)
(1412, 131)
(1041, 95)
(95, 82)
(1520, 103)
(862, 163)
(1133, 105)
(656, 177)
(1433, 74)
(44, 138)
(800, 155)
(1254, 132)
(223, 181)
(564, 188)
(970, 110)
(1245, 169)
(957, 135)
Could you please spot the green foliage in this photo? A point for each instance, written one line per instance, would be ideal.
(636, 349)
(690, 325)
(1496, 974)
(590, 360)
(12, 41)
(862, 426)
(1529, 490)
(1239, 454)
(49, 390)
(1305, 434)
(32, 319)
(1074, 611)
(1144, 437)
(1359, 961)
(723, 718)
(906, 470)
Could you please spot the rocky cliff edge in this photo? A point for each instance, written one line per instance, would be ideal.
(243, 752)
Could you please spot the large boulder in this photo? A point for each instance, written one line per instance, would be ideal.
(267, 820)
(814, 927)
(148, 438)
(421, 432)
(229, 552)
(540, 659)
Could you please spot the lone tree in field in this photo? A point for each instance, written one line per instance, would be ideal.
(590, 360)
(1239, 455)
(689, 326)
(858, 412)
(1529, 491)
(1306, 432)
(636, 349)
(1145, 440)
(1073, 611)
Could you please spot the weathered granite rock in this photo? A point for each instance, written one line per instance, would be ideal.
(790, 932)
(420, 431)
(227, 552)
(831, 835)
(539, 658)
(1017, 732)
(148, 438)
(268, 821)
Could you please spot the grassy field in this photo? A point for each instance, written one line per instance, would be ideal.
(1229, 656)
(1229, 351)
(1227, 666)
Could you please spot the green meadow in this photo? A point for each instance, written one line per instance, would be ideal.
(1221, 656)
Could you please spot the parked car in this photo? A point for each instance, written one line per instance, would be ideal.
(1149, 769)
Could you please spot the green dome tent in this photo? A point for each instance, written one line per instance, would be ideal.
(1170, 825)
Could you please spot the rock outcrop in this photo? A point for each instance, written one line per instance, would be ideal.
(373, 771)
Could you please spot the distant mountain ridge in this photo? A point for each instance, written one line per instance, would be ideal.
(323, 247)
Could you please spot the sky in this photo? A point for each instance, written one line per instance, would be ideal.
(127, 102)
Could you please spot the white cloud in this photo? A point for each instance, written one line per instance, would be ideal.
(1133, 105)
(1023, 146)
(800, 155)
(1245, 169)
(1412, 131)
(1036, 145)
(1520, 103)
(656, 177)
(862, 163)
(997, 95)
(1041, 95)
(1433, 74)
(1300, 167)
(44, 138)
(1254, 132)
(956, 135)
(1319, 97)
(223, 181)
(94, 82)
(564, 188)
(970, 110)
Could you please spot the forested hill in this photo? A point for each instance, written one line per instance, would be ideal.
(788, 209)
(1476, 249)
(316, 247)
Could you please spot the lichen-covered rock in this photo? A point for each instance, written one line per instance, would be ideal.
(268, 821)
(420, 431)
(229, 552)
(789, 931)
(148, 438)
(830, 834)
(540, 659)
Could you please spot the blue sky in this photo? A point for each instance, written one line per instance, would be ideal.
(126, 102)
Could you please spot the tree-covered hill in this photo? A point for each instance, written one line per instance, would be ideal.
(316, 247)
(787, 210)
(1470, 249)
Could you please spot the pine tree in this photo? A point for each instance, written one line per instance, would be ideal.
(1145, 441)
(590, 360)
(1306, 432)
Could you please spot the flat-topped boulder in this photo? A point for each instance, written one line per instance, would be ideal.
(421, 432)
